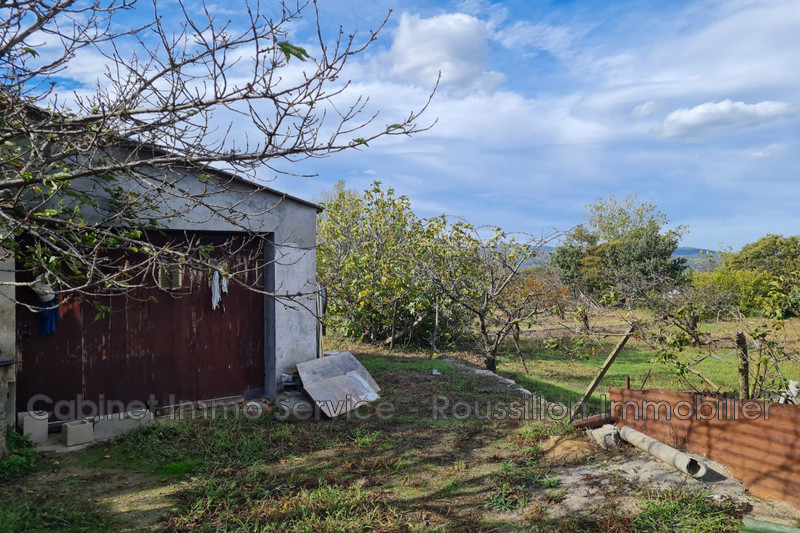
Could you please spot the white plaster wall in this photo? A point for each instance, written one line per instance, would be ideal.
(295, 317)
(8, 321)
(8, 331)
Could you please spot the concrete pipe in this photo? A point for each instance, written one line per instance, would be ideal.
(758, 526)
(668, 454)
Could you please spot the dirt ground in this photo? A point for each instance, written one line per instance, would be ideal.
(604, 477)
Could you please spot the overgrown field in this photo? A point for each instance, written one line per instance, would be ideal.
(422, 469)
(560, 367)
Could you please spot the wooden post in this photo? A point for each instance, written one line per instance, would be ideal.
(515, 332)
(627, 382)
(744, 365)
(603, 369)
(644, 381)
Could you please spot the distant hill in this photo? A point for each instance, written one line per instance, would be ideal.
(697, 258)
(692, 253)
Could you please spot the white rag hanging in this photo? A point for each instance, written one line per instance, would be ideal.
(215, 291)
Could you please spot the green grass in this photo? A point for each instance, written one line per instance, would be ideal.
(274, 503)
(378, 365)
(662, 511)
(179, 468)
(364, 437)
(562, 374)
(561, 377)
(505, 498)
(548, 482)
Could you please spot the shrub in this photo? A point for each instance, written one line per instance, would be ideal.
(22, 459)
(746, 290)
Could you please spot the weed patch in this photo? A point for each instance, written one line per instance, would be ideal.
(286, 506)
(505, 498)
(365, 438)
(22, 458)
(685, 511)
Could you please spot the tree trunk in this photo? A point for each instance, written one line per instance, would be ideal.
(584, 315)
(435, 328)
(744, 365)
(394, 322)
(408, 329)
(490, 348)
(756, 379)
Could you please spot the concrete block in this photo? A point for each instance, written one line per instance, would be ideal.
(77, 432)
(607, 436)
(34, 425)
(110, 426)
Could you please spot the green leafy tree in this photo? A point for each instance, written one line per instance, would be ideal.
(610, 220)
(369, 254)
(623, 247)
(775, 254)
(727, 291)
(760, 279)
(392, 275)
(486, 277)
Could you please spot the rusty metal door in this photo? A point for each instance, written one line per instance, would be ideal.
(166, 346)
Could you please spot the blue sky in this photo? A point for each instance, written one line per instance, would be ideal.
(546, 106)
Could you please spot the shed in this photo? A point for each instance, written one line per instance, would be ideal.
(162, 346)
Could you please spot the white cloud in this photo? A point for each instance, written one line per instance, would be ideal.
(494, 14)
(750, 45)
(768, 151)
(745, 51)
(644, 110)
(555, 40)
(507, 120)
(455, 44)
(713, 117)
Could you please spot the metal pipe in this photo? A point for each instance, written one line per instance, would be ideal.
(594, 422)
(668, 454)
